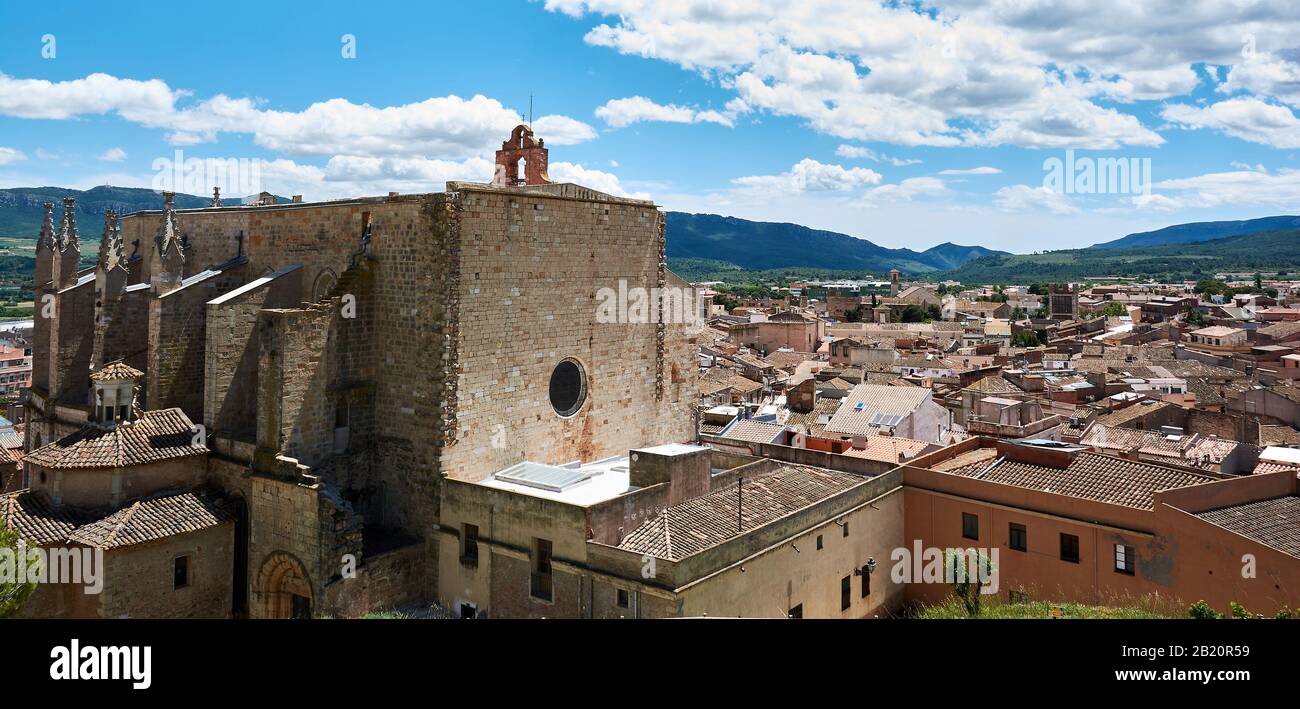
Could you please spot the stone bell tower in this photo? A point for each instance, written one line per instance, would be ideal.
(521, 147)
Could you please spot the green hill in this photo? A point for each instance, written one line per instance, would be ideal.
(21, 213)
(760, 246)
(1268, 251)
(1196, 232)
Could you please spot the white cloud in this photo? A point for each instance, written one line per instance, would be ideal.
(808, 175)
(1239, 188)
(857, 152)
(1023, 198)
(448, 127)
(1248, 118)
(11, 155)
(113, 155)
(623, 112)
(981, 170)
(983, 74)
(906, 190)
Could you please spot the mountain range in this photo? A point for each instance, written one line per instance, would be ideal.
(1196, 232)
(21, 213)
(709, 246)
(770, 245)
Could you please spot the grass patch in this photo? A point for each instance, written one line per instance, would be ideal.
(951, 608)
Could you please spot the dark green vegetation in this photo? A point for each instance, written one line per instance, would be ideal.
(761, 246)
(21, 213)
(1269, 252)
(1201, 231)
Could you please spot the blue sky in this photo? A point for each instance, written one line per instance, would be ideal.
(908, 127)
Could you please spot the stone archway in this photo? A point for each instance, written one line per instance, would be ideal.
(325, 282)
(283, 589)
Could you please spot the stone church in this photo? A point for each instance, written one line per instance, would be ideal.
(255, 411)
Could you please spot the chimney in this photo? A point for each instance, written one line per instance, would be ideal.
(687, 469)
(297, 199)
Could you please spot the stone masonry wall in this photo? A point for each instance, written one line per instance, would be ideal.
(177, 338)
(530, 268)
(72, 343)
(231, 349)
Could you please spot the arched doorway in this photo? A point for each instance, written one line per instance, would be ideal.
(283, 589)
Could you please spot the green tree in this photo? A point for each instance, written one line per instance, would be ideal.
(969, 570)
(1202, 611)
(1026, 338)
(1114, 310)
(12, 594)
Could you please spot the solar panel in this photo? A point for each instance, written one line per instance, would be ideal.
(889, 420)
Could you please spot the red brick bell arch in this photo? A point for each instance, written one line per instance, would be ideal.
(282, 588)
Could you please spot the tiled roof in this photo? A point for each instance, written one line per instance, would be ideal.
(35, 518)
(1130, 413)
(155, 436)
(1089, 476)
(695, 525)
(994, 384)
(1274, 522)
(888, 449)
(156, 518)
(1271, 467)
(751, 430)
(875, 399)
(1281, 330)
(115, 372)
(1278, 435)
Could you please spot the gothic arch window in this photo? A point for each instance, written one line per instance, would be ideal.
(325, 282)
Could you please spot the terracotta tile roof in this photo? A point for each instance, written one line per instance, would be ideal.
(155, 436)
(1089, 476)
(35, 518)
(1278, 435)
(114, 372)
(695, 525)
(155, 518)
(888, 449)
(1275, 522)
(751, 430)
(994, 384)
(875, 399)
(1130, 413)
(1280, 330)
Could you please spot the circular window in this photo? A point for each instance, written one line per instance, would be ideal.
(568, 388)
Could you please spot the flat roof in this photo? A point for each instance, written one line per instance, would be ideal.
(576, 483)
(672, 449)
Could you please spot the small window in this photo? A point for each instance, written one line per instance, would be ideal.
(970, 526)
(846, 599)
(1018, 537)
(796, 612)
(844, 529)
(621, 598)
(866, 584)
(180, 572)
(1069, 548)
(1124, 559)
(540, 582)
(469, 540)
(819, 542)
